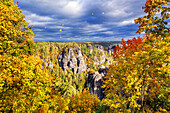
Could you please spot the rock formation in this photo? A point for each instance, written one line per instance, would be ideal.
(102, 59)
(47, 63)
(72, 58)
(101, 48)
(110, 49)
(72, 61)
(95, 82)
(64, 63)
(90, 49)
(50, 64)
(73, 65)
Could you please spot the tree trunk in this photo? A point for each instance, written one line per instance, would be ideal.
(142, 99)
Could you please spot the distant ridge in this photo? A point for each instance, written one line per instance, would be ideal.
(102, 43)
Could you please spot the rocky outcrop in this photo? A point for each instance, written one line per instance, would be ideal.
(96, 62)
(47, 63)
(50, 64)
(73, 65)
(103, 70)
(64, 63)
(108, 60)
(90, 49)
(81, 65)
(75, 62)
(70, 53)
(102, 59)
(60, 60)
(72, 58)
(101, 48)
(95, 82)
(79, 54)
(110, 49)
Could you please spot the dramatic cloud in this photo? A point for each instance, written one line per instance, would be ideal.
(69, 8)
(82, 20)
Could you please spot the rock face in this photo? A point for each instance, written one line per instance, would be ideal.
(75, 60)
(101, 48)
(60, 60)
(71, 61)
(110, 49)
(64, 62)
(46, 63)
(99, 61)
(70, 53)
(96, 62)
(90, 49)
(102, 59)
(50, 64)
(73, 65)
(103, 70)
(108, 61)
(95, 82)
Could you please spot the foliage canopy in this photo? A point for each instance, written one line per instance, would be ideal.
(139, 80)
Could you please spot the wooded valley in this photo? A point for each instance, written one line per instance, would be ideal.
(90, 77)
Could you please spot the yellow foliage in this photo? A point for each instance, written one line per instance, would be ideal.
(12, 33)
(84, 103)
(24, 85)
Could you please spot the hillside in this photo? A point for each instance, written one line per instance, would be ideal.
(72, 62)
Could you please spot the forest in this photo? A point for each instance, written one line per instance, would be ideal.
(132, 76)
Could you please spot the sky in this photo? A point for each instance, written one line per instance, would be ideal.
(82, 20)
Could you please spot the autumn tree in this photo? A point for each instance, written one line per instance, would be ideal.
(83, 103)
(24, 86)
(139, 80)
(16, 34)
